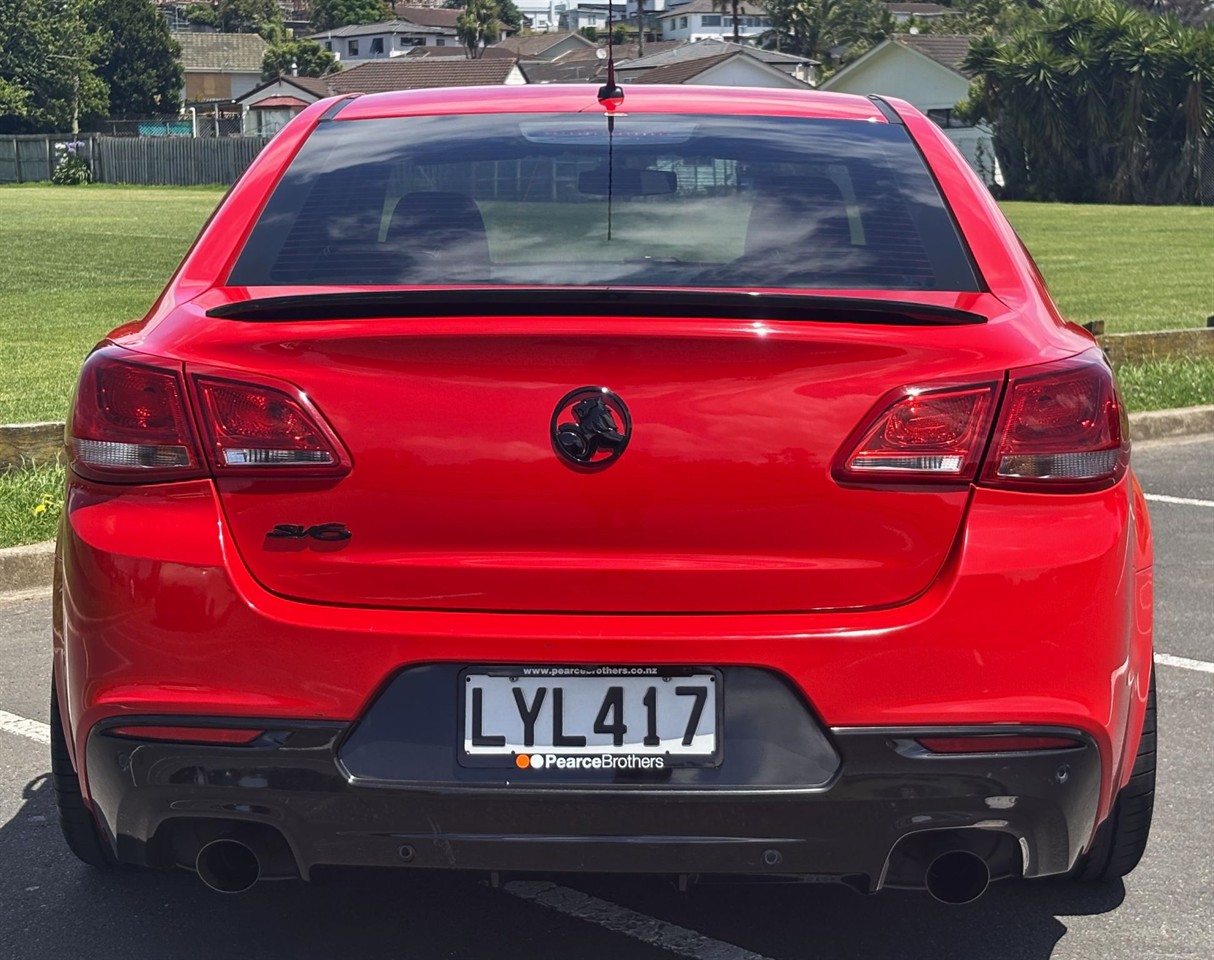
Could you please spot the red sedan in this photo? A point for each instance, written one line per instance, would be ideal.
(524, 479)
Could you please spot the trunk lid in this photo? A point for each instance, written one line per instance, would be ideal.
(722, 501)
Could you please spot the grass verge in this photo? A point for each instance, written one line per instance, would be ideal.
(1172, 382)
(31, 500)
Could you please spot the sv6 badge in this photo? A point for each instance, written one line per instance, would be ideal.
(325, 532)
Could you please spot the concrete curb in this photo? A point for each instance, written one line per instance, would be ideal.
(26, 568)
(29, 568)
(1180, 422)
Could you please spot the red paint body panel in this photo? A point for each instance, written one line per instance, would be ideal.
(720, 538)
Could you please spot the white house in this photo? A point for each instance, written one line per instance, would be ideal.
(926, 70)
(360, 42)
(220, 66)
(665, 54)
(702, 19)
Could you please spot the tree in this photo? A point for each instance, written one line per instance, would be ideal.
(251, 16)
(818, 28)
(330, 14)
(732, 7)
(202, 15)
(509, 16)
(47, 82)
(1097, 102)
(1191, 13)
(137, 58)
(478, 26)
(304, 58)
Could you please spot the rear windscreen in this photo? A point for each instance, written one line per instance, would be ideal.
(640, 200)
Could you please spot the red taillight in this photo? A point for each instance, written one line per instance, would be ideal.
(253, 428)
(211, 735)
(997, 744)
(1062, 426)
(929, 436)
(129, 422)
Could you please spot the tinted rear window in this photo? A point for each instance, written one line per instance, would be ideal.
(652, 200)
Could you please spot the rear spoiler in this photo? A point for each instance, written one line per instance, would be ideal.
(590, 301)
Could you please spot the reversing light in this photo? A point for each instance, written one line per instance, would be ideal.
(255, 427)
(924, 435)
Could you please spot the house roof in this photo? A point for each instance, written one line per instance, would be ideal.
(947, 49)
(313, 86)
(536, 46)
(221, 52)
(269, 102)
(407, 73)
(427, 16)
(563, 70)
(689, 69)
(457, 50)
(384, 26)
(680, 51)
(707, 6)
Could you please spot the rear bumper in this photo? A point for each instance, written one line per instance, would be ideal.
(1052, 630)
(1027, 813)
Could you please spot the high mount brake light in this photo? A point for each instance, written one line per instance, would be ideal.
(924, 436)
(129, 422)
(1060, 428)
(254, 428)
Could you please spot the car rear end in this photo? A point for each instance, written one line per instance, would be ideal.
(518, 483)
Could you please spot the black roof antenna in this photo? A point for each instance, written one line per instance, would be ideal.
(610, 94)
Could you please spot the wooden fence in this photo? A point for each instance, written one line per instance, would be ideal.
(179, 161)
(175, 160)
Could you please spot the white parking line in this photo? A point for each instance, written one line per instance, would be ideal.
(31, 729)
(1184, 663)
(1180, 501)
(656, 933)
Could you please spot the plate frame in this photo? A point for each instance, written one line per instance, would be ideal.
(506, 760)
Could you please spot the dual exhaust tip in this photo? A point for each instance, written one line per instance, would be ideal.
(228, 865)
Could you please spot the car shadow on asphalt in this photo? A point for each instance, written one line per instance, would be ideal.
(51, 906)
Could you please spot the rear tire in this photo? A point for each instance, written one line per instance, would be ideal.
(76, 820)
(1122, 838)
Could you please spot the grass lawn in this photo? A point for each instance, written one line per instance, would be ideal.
(75, 262)
(1136, 268)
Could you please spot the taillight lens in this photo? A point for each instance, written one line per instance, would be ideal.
(931, 436)
(1062, 427)
(129, 422)
(253, 428)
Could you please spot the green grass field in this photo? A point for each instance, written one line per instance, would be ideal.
(75, 262)
(1136, 268)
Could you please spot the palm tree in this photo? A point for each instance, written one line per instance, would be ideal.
(732, 7)
(478, 26)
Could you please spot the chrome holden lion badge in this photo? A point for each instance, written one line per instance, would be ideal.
(590, 428)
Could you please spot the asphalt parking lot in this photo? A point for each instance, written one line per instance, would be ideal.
(53, 907)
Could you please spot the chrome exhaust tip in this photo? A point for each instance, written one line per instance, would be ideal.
(228, 866)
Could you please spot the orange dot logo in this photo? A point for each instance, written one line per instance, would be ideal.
(522, 761)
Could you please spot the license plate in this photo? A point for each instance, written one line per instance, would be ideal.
(591, 718)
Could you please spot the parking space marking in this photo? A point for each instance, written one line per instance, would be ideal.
(1184, 663)
(1180, 501)
(30, 729)
(613, 917)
